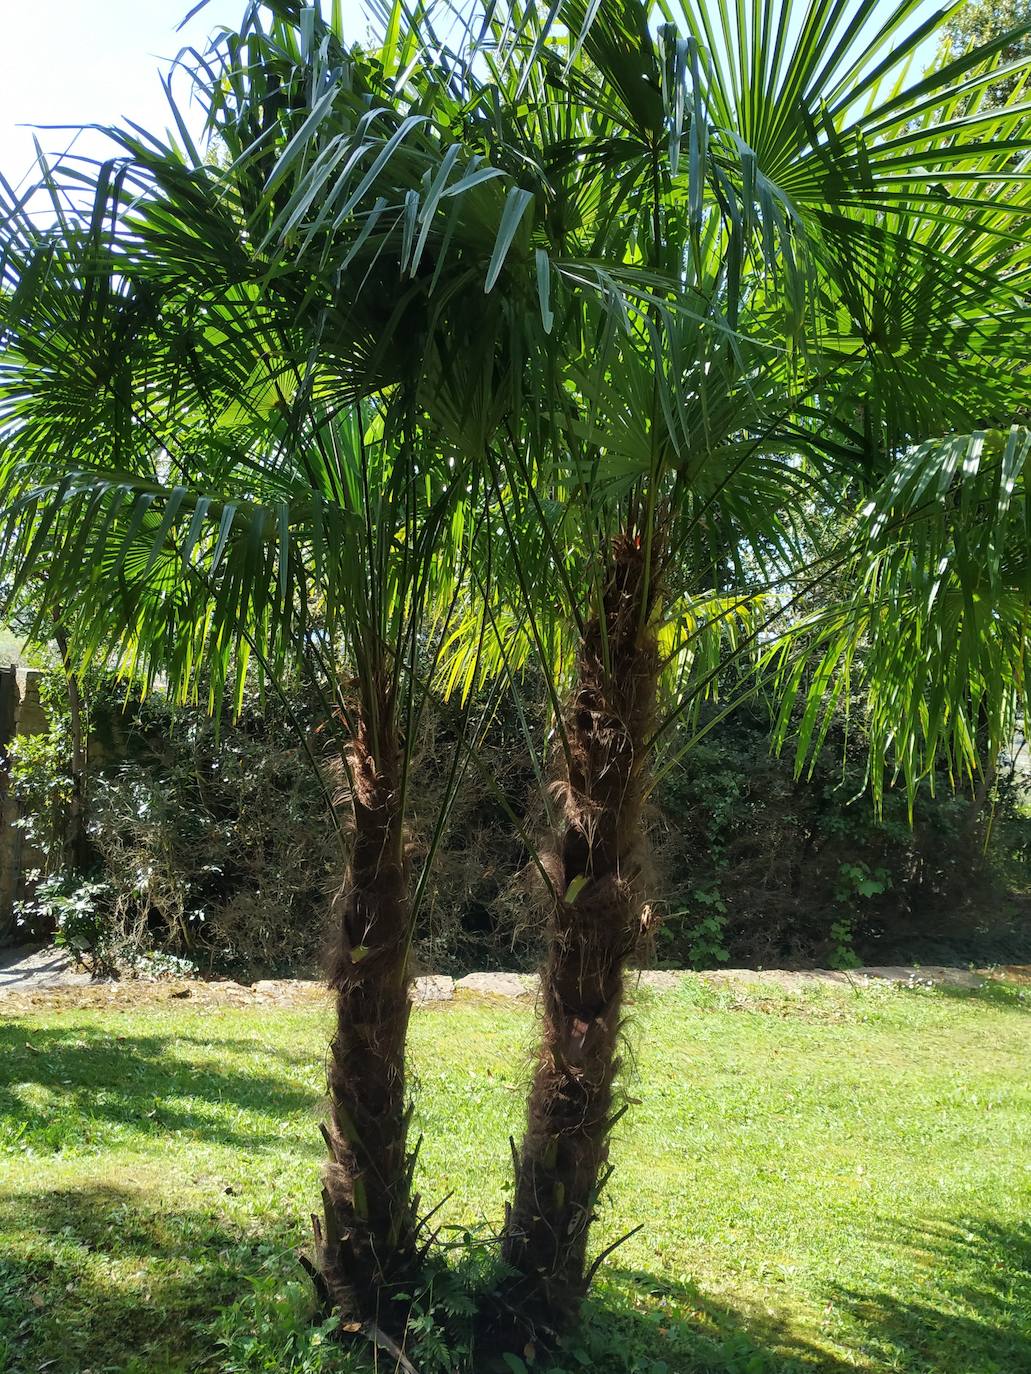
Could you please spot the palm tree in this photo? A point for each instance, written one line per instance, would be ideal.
(830, 265)
(192, 535)
(212, 457)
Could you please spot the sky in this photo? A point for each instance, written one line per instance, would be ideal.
(93, 61)
(97, 61)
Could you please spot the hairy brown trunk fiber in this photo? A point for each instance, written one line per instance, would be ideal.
(595, 926)
(367, 1243)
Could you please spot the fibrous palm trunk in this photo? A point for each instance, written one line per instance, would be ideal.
(595, 925)
(367, 1243)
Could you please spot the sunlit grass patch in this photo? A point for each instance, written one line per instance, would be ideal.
(828, 1179)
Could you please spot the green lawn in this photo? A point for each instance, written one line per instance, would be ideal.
(828, 1181)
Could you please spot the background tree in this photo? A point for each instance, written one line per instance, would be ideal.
(976, 22)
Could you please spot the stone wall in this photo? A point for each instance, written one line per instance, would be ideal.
(20, 714)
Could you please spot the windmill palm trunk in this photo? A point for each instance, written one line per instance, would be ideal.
(595, 926)
(367, 1243)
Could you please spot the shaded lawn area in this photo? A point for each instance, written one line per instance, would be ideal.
(827, 1180)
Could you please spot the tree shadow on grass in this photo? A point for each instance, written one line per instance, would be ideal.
(104, 1279)
(94, 1080)
(966, 1308)
(973, 1309)
(993, 992)
(674, 1324)
(99, 1278)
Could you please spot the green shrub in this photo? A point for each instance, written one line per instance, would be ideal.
(270, 1330)
(763, 868)
(76, 910)
(40, 770)
(216, 846)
